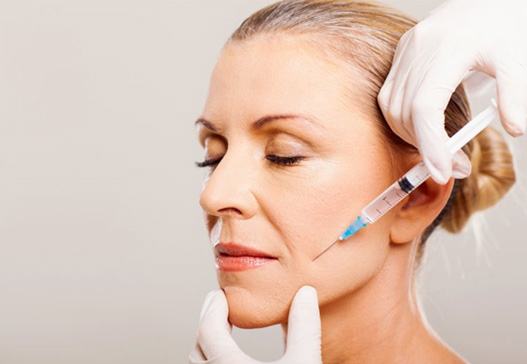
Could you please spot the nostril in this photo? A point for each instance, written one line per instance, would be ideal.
(230, 211)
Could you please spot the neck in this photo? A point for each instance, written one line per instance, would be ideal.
(373, 324)
(380, 322)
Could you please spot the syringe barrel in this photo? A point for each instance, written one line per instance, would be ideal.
(395, 193)
(419, 173)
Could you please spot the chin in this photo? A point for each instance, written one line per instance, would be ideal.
(250, 310)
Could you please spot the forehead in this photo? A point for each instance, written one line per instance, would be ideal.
(275, 73)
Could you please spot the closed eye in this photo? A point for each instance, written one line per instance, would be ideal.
(283, 161)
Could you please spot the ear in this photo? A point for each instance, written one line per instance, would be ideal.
(419, 210)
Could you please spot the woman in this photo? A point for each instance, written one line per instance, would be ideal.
(297, 145)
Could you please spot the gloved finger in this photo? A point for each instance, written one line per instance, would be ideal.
(478, 84)
(386, 93)
(427, 110)
(397, 122)
(432, 146)
(303, 330)
(461, 165)
(414, 80)
(412, 83)
(400, 50)
(196, 356)
(214, 333)
(512, 98)
(398, 75)
(224, 358)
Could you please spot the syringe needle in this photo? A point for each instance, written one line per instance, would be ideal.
(396, 192)
(351, 230)
(325, 250)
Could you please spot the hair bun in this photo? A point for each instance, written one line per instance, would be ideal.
(492, 176)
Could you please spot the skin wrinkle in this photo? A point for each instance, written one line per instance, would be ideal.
(379, 334)
(293, 212)
(277, 226)
(211, 129)
(385, 334)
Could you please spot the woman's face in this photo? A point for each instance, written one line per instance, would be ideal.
(291, 212)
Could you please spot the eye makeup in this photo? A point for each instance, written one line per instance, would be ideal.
(283, 161)
(280, 150)
(306, 128)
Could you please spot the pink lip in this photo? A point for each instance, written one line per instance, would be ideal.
(231, 257)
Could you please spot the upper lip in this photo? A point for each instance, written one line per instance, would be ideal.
(237, 250)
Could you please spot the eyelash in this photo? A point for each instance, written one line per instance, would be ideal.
(283, 161)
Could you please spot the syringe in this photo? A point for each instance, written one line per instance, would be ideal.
(414, 177)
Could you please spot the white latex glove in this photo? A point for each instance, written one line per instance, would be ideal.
(434, 57)
(216, 345)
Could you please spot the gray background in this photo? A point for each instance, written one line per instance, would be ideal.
(104, 256)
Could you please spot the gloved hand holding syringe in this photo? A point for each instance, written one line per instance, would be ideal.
(401, 188)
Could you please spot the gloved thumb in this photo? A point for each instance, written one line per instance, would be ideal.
(512, 99)
(461, 165)
(214, 333)
(303, 330)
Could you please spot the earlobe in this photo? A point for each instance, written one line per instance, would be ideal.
(419, 210)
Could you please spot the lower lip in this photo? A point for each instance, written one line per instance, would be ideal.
(233, 264)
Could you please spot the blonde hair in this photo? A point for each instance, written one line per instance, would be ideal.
(365, 34)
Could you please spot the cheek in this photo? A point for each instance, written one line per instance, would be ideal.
(312, 215)
(350, 264)
(317, 205)
(307, 217)
(316, 213)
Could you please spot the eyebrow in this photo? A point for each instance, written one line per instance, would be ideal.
(258, 124)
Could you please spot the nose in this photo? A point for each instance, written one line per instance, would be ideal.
(227, 191)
